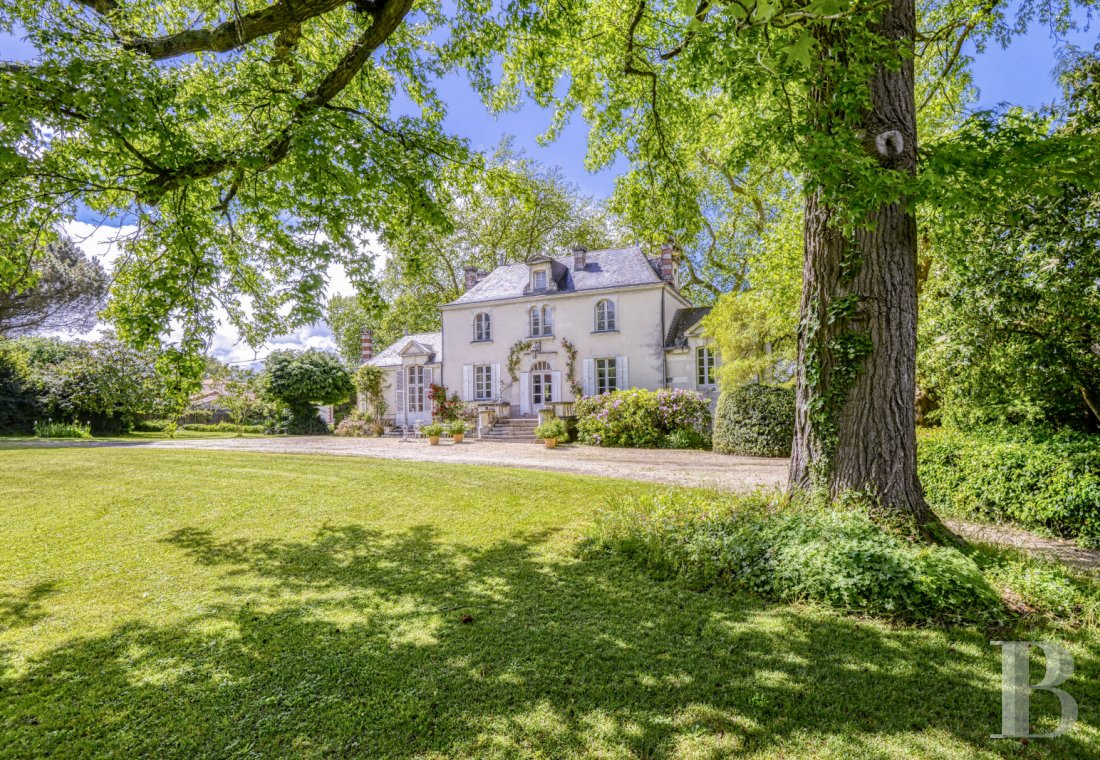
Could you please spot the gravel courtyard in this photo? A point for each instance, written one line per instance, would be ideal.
(675, 467)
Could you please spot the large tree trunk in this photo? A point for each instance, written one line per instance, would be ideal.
(855, 426)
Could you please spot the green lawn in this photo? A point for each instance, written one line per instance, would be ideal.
(183, 603)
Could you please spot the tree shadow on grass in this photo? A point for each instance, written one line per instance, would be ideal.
(362, 643)
(24, 608)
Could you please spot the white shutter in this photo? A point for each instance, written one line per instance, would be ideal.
(399, 395)
(524, 393)
(467, 382)
(495, 381)
(621, 373)
(555, 387)
(589, 377)
(427, 389)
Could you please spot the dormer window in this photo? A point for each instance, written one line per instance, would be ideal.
(538, 280)
(483, 327)
(605, 316)
(542, 321)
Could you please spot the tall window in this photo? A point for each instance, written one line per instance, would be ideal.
(605, 316)
(607, 376)
(483, 382)
(538, 280)
(415, 391)
(542, 321)
(704, 366)
(483, 327)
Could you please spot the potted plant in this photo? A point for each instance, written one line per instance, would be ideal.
(433, 431)
(457, 429)
(551, 432)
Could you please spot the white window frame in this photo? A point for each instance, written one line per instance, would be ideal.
(605, 313)
(536, 276)
(606, 374)
(483, 327)
(704, 366)
(541, 322)
(414, 389)
(483, 382)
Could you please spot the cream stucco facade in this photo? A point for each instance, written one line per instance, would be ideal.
(620, 310)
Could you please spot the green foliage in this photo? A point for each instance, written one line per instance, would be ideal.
(20, 401)
(458, 427)
(224, 427)
(1045, 483)
(370, 387)
(553, 428)
(755, 420)
(62, 290)
(105, 382)
(153, 426)
(301, 379)
(642, 418)
(433, 430)
(790, 551)
(51, 429)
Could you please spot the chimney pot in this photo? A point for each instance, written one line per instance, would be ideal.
(580, 258)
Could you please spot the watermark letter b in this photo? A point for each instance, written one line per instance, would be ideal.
(1016, 689)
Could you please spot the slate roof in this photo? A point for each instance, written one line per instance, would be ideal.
(609, 268)
(390, 356)
(682, 321)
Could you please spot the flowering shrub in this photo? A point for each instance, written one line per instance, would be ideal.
(353, 427)
(444, 408)
(645, 419)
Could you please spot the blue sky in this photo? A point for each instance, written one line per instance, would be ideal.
(1021, 74)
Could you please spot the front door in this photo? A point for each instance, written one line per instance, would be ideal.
(418, 406)
(541, 385)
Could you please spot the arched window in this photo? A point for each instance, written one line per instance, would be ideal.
(605, 316)
(542, 321)
(483, 327)
(540, 367)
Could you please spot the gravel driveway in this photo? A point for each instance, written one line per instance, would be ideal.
(675, 467)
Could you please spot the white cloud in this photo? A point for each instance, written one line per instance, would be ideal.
(104, 243)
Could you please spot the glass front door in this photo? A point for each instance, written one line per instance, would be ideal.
(541, 390)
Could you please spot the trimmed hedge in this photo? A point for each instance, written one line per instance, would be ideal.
(1048, 484)
(226, 427)
(755, 420)
(645, 419)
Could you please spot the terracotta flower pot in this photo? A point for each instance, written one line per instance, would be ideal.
(550, 442)
(433, 440)
(458, 437)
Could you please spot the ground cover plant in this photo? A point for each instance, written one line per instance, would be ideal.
(190, 604)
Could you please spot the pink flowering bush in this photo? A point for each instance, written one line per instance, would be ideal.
(639, 418)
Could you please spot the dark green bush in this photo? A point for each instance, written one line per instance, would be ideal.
(20, 402)
(1045, 483)
(794, 552)
(153, 426)
(755, 420)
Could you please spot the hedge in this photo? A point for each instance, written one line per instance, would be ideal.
(226, 427)
(755, 420)
(1049, 484)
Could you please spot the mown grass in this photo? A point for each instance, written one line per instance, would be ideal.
(184, 603)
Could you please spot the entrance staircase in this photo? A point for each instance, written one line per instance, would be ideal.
(512, 430)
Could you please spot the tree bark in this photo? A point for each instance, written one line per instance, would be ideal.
(855, 419)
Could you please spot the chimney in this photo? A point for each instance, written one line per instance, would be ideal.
(580, 258)
(472, 276)
(366, 344)
(669, 254)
